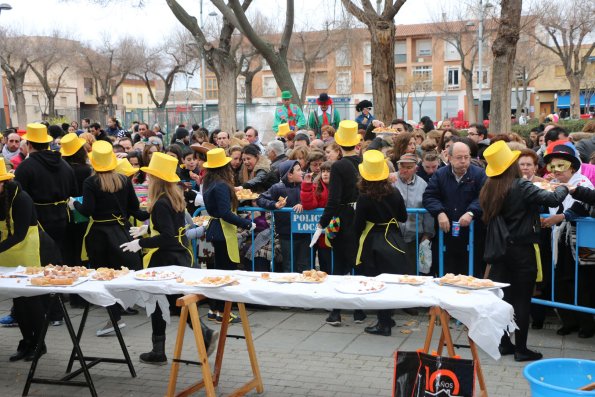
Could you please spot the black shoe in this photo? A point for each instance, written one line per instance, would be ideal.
(211, 341)
(334, 318)
(411, 312)
(359, 316)
(506, 349)
(378, 330)
(586, 333)
(393, 323)
(31, 353)
(567, 330)
(537, 325)
(22, 351)
(128, 312)
(527, 355)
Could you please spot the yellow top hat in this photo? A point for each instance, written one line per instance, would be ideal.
(4, 175)
(347, 134)
(283, 129)
(499, 158)
(38, 133)
(70, 144)
(125, 168)
(216, 158)
(374, 167)
(102, 157)
(163, 167)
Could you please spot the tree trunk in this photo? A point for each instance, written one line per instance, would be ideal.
(306, 80)
(16, 83)
(225, 70)
(575, 97)
(383, 69)
(283, 77)
(51, 105)
(504, 51)
(248, 88)
(468, 76)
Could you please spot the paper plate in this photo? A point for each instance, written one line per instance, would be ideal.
(359, 287)
(155, 275)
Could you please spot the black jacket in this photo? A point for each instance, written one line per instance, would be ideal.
(342, 187)
(81, 172)
(584, 194)
(521, 210)
(48, 179)
(23, 214)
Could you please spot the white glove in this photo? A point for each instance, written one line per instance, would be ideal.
(136, 232)
(253, 226)
(205, 224)
(133, 246)
(199, 201)
(71, 203)
(315, 237)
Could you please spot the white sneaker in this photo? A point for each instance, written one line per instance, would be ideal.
(108, 328)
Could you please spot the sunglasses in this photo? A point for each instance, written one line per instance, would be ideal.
(560, 166)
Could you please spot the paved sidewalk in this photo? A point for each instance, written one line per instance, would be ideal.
(298, 354)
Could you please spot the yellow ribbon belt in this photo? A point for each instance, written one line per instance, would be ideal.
(65, 202)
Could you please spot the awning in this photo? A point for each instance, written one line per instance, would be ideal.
(564, 101)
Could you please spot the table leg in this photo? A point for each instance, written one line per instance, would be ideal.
(431, 326)
(79, 335)
(444, 321)
(175, 366)
(121, 341)
(482, 385)
(221, 344)
(202, 351)
(250, 346)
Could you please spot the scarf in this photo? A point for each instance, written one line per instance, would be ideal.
(7, 154)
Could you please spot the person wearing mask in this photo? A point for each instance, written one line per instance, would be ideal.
(289, 113)
(378, 210)
(167, 244)
(365, 118)
(343, 194)
(221, 203)
(23, 243)
(506, 194)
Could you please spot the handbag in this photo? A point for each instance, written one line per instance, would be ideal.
(496, 240)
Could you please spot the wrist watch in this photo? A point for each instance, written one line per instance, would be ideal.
(470, 213)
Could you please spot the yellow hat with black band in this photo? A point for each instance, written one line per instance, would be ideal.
(102, 157)
(216, 158)
(125, 168)
(70, 144)
(163, 166)
(4, 175)
(347, 135)
(374, 167)
(499, 158)
(38, 133)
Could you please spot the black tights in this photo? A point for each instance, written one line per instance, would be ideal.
(222, 262)
(519, 296)
(29, 313)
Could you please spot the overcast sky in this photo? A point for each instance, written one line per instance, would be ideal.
(86, 21)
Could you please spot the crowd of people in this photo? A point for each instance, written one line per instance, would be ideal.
(113, 196)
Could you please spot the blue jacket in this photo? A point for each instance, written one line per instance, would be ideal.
(445, 194)
(218, 204)
(291, 191)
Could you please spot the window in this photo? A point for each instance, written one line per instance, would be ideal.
(452, 77)
(269, 86)
(450, 52)
(450, 106)
(212, 90)
(88, 86)
(400, 51)
(422, 77)
(401, 76)
(367, 48)
(298, 80)
(342, 56)
(321, 81)
(63, 101)
(344, 82)
(368, 82)
(560, 71)
(241, 87)
(424, 47)
(139, 99)
(128, 98)
(486, 77)
(35, 100)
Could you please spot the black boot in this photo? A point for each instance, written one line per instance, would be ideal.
(31, 352)
(379, 329)
(210, 337)
(506, 346)
(22, 350)
(157, 355)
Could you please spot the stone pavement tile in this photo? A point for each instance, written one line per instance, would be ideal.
(326, 342)
(374, 345)
(268, 318)
(575, 343)
(301, 321)
(281, 339)
(585, 354)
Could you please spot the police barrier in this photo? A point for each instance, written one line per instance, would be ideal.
(305, 223)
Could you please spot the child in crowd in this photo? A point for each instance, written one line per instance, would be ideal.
(314, 195)
(287, 194)
(315, 160)
(189, 178)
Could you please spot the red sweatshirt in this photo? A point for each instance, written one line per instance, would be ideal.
(310, 200)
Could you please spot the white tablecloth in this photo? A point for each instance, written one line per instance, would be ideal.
(484, 313)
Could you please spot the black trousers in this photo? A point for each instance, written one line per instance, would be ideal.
(518, 268)
(222, 262)
(29, 313)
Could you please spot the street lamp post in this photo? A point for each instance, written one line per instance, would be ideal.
(3, 7)
(480, 60)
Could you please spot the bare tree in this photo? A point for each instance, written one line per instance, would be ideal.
(13, 60)
(421, 86)
(504, 52)
(567, 28)
(249, 64)
(528, 66)
(110, 65)
(49, 59)
(275, 55)
(382, 31)
(174, 55)
(589, 89)
(404, 89)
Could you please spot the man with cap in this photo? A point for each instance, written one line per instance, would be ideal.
(289, 113)
(325, 114)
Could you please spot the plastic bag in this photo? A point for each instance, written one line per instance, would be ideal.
(425, 256)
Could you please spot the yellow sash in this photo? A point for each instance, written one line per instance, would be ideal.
(25, 253)
(119, 219)
(151, 251)
(61, 202)
(230, 232)
(369, 226)
(538, 259)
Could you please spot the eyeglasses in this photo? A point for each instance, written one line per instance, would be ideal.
(561, 166)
